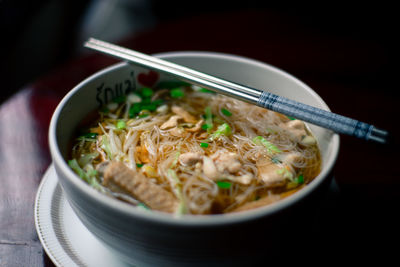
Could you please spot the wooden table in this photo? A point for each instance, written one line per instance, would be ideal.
(352, 74)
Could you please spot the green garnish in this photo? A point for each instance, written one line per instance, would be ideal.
(145, 104)
(149, 107)
(295, 182)
(300, 179)
(89, 176)
(88, 136)
(73, 164)
(223, 129)
(204, 90)
(290, 118)
(226, 112)
(204, 145)
(158, 102)
(121, 124)
(224, 184)
(119, 99)
(144, 115)
(205, 127)
(285, 173)
(105, 110)
(176, 185)
(143, 206)
(271, 148)
(139, 165)
(146, 92)
(134, 110)
(209, 119)
(177, 93)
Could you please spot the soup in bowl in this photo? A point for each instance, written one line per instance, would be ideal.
(164, 172)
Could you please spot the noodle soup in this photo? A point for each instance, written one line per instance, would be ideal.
(187, 150)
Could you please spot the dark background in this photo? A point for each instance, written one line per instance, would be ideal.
(346, 51)
(38, 36)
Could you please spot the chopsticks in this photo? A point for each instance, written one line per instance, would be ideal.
(337, 123)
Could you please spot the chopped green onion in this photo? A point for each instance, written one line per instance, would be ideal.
(121, 124)
(149, 107)
(257, 197)
(143, 206)
(205, 126)
(146, 92)
(271, 148)
(78, 170)
(295, 182)
(158, 102)
(146, 100)
(300, 179)
(209, 119)
(177, 93)
(204, 145)
(119, 99)
(223, 184)
(139, 165)
(204, 116)
(204, 90)
(89, 176)
(144, 115)
(223, 129)
(285, 173)
(105, 110)
(290, 118)
(176, 185)
(226, 112)
(89, 135)
(134, 110)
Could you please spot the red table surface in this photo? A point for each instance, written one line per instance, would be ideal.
(342, 70)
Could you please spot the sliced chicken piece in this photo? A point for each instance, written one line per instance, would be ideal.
(225, 160)
(137, 185)
(269, 172)
(187, 117)
(292, 158)
(297, 130)
(190, 158)
(209, 168)
(171, 122)
(241, 179)
(197, 127)
(178, 132)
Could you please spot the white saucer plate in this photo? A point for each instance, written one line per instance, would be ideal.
(64, 238)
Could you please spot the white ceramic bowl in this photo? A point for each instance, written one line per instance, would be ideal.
(156, 239)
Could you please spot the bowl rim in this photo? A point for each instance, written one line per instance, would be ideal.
(189, 220)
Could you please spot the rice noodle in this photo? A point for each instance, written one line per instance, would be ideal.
(141, 141)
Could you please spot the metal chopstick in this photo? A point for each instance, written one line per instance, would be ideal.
(322, 118)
